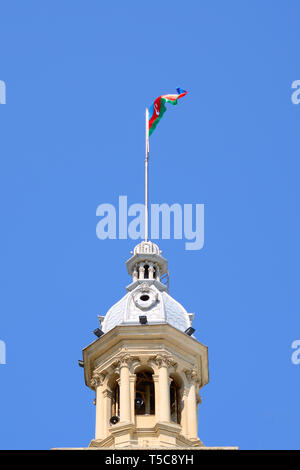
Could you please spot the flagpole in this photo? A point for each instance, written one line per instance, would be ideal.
(146, 172)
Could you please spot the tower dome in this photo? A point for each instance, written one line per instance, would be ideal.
(146, 367)
(147, 247)
(146, 295)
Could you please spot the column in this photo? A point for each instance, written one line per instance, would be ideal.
(97, 382)
(151, 271)
(125, 404)
(156, 396)
(132, 380)
(141, 271)
(192, 405)
(163, 363)
(147, 403)
(107, 397)
(184, 412)
(135, 274)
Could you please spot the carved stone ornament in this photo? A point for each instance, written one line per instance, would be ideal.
(163, 360)
(97, 379)
(124, 361)
(144, 297)
(192, 376)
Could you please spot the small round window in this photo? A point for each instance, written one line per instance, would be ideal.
(144, 297)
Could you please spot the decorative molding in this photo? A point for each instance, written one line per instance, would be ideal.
(125, 360)
(144, 287)
(115, 367)
(135, 362)
(97, 379)
(192, 376)
(164, 360)
(142, 290)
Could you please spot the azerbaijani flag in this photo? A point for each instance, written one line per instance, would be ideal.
(158, 108)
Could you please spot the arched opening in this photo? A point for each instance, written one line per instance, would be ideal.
(144, 393)
(114, 388)
(115, 401)
(175, 401)
(146, 272)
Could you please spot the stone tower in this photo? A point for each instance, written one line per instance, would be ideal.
(146, 367)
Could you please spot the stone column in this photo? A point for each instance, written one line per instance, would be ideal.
(163, 362)
(156, 396)
(135, 274)
(132, 380)
(107, 398)
(147, 403)
(184, 411)
(192, 404)
(141, 271)
(97, 382)
(125, 403)
(151, 271)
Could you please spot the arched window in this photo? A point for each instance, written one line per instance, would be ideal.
(146, 272)
(115, 397)
(144, 394)
(175, 402)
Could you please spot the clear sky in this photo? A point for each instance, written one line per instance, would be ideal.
(79, 75)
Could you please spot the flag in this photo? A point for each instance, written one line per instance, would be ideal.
(158, 108)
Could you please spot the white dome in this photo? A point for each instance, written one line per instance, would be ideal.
(146, 248)
(147, 299)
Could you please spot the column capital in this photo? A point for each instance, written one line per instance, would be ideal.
(192, 376)
(97, 378)
(124, 360)
(164, 360)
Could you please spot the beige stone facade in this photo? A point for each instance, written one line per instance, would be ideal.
(174, 362)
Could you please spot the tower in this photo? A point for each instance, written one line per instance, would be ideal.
(146, 368)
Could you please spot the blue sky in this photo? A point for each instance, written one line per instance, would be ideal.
(79, 75)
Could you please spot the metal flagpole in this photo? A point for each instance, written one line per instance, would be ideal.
(146, 173)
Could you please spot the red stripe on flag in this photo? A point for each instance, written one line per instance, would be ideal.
(156, 111)
(181, 95)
